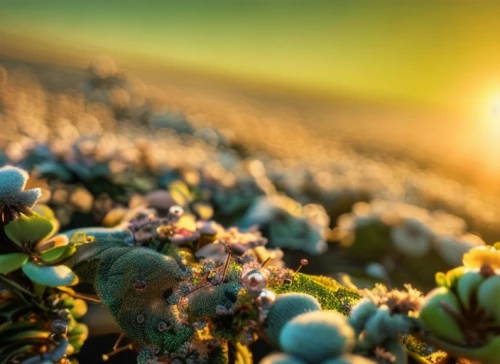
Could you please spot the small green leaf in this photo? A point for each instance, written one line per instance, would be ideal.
(55, 255)
(29, 229)
(12, 261)
(45, 211)
(52, 276)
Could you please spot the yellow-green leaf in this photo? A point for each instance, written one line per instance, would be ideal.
(29, 229)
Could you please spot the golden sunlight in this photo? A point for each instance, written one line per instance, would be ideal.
(489, 133)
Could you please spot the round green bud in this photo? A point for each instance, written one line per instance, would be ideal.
(285, 308)
(317, 335)
(488, 297)
(360, 314)
(467, 286)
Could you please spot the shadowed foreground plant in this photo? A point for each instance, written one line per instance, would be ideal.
(188, 290)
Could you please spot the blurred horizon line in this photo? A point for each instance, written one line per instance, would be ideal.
(73, 55)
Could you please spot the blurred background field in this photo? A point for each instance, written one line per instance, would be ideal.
(385, 113)
(417, 79)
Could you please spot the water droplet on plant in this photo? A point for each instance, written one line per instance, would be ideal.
(266, 299)
(255, 281)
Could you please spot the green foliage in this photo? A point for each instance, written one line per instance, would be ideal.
(175, 305)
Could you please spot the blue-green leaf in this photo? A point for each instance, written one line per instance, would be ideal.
(51, 276)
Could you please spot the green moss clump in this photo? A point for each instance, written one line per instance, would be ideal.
(330, 294)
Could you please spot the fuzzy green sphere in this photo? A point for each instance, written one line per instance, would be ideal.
(281, 358)
(11, 189)
(286, 307)
(318, 335)
(360, 314)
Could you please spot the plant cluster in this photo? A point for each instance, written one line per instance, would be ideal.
(182, 289)
(186, 238)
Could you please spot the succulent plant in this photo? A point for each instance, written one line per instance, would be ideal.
(13, 198)
(318, 335)
(39, 254)
(462, 314)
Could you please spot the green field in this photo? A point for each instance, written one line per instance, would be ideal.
(441, 53)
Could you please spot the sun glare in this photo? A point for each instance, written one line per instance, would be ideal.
(489, 133)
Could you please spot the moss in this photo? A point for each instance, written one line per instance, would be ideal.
(419, 349)
(330, 294)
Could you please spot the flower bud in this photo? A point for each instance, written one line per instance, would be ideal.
(488, 297)
(437, 319)
(467, 286)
